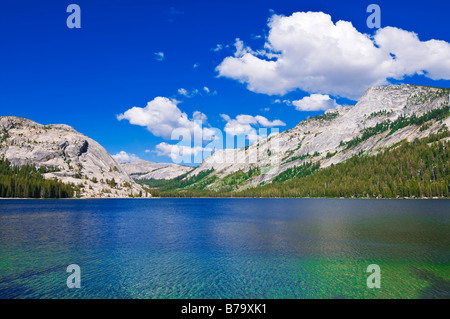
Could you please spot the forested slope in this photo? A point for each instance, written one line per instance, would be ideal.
(410, 169)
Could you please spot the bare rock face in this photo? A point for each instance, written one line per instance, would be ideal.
(324, 138)
(145, 170)
(74, 158)
(68, 155)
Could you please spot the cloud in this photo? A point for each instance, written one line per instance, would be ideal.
(195, 92)
(177, 151)
(199, 116)
(266, 123)
(186, 93)
(315, 102)
(307, 51)
(159, 56)
(196, 65)
(241, 125)
(412, 56)
(123, 156)
(278, 101)
(183, 92)
(247, 124)
(162, 116)
(217, 48)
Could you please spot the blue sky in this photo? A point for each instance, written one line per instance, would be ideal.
(87, 77)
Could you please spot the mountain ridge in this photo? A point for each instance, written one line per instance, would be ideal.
(146, 170)
(67, 155)
(335, 136)
(383, 118)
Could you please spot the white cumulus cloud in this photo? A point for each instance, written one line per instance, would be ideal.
(162, 116)
(123, 156)
(315, 102)
(177, 151)
(308, 51)
(266, 123)
(247, 124)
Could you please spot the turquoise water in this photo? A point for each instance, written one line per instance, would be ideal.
(224, 248)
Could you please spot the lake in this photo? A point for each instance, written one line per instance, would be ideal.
(224, 248)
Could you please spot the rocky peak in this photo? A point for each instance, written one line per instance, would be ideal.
(68, 155)
(145, 170)
(325, 138)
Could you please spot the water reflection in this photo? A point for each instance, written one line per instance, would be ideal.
(224, 248)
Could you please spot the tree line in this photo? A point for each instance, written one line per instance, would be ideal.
(27, 181)
(411, 169)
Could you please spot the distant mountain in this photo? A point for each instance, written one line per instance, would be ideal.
(145, 170)
(67, 155)
(382, 119)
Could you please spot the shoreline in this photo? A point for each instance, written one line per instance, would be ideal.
(224, 197)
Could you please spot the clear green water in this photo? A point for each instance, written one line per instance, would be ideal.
(224, 248)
